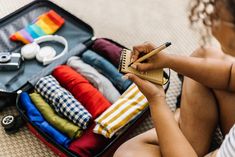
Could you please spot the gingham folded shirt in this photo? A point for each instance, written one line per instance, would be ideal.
(126, 108)
(62, 101)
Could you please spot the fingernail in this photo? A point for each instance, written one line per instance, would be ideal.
(124, 77)
(132, 59)
(134, 66)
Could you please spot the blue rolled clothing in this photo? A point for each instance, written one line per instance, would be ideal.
(36, 118)
(107, 69)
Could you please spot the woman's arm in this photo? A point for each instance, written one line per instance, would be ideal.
(171, 140)
(213, 73)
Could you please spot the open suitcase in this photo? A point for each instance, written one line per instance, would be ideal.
(79, 35)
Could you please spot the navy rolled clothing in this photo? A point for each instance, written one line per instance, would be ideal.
(107, 69)
(36, 118)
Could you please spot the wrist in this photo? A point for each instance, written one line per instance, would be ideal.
(169, 61)
(157, 99)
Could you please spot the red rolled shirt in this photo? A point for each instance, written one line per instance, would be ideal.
(81, 89)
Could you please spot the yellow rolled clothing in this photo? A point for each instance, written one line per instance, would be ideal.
(127, 107)
(50, 115)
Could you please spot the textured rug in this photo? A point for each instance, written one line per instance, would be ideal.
(128, 22)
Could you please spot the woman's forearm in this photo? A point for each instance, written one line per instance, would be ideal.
(171, 140)
(213, 73)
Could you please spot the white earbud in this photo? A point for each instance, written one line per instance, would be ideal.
(46, 54)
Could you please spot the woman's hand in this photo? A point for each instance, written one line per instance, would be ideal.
(152, 92)
(157, 61)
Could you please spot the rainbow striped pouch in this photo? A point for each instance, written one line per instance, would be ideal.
(45, 24)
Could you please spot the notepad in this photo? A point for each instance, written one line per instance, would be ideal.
(154, 76)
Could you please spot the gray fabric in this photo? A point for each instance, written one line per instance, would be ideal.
(94, 77)
(75, 33)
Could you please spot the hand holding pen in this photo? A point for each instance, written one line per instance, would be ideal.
(147, 56)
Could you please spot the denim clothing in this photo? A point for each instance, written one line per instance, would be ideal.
(107, 69)
(95, 78)
(38, 120)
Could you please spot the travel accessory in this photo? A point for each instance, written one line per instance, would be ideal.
(46, 54)
(10, 61)
(45, 24)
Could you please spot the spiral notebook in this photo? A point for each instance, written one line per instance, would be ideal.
(155, 76)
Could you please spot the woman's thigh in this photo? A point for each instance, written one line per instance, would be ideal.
(145, 144)
(225, 99)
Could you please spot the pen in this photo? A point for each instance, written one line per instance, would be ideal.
(150, 54)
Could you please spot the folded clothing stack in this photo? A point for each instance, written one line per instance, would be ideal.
(128, 106)
(107, 69)
(63, 101)
(81, 89)
(95, 78)
(58, 122)
(38, 120)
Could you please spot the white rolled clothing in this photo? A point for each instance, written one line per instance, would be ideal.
(95, 78)
(227, 149)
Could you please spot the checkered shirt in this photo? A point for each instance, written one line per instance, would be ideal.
(63, 101)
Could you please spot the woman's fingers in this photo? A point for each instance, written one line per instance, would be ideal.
(140, 49)
(143, 66)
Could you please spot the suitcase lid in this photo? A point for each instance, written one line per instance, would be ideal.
(77, 33)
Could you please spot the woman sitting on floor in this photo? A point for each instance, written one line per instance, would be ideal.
(208, 97)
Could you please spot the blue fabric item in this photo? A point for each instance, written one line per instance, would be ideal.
(107, 69)
(63, 101)
(36, 118)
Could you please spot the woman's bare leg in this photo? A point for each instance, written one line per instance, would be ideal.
(226, 101)
(143, 145)
(199, 114)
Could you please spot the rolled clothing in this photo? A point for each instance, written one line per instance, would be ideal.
(107, 69)
(37, 119)
(82, 90)
(109, 50)
(62, 101)
(58, 122)
(89, 144)
(129, 105)
(95, 78)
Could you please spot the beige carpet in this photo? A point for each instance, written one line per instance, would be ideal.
(128, 22)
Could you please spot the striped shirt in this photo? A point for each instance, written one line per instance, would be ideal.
(126, 108)
(227, 148)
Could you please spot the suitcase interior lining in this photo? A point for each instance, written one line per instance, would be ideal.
(75, 31)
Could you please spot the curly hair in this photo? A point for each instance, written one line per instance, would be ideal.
(203, 12)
